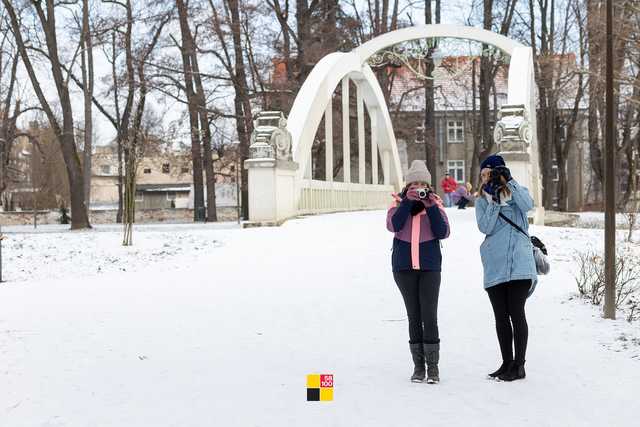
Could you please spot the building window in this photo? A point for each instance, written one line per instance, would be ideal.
(455, 131)
(419, 136)
(554, 172)
(456, 170)
(139, 196)
(106, 169)
(184, 169)
(147, 170)
(440, 140)
(564, 133)
(165, 168)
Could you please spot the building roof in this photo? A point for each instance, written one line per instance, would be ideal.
(453, 80)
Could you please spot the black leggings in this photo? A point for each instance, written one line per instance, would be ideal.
(508, 301)
(420, 290)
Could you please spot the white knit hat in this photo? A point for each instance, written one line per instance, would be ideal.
(418, 172)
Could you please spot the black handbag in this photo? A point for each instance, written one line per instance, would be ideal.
(539, 249)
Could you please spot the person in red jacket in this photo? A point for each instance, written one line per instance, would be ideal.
(448, 185)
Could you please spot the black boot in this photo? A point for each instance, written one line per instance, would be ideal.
(501, 370)
(432, 356)
(417, 354)
(515, 371)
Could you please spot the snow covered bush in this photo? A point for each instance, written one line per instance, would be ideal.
(632, 221)
(590, 279)
(590, 276)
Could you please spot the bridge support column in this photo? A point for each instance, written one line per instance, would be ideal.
(272, 186)
(386, 165)
(373, 115)
(328, 137)
(361, 147)
(346, 137)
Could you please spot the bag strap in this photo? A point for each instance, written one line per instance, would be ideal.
(513, 224)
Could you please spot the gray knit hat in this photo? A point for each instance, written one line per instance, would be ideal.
(418, 172)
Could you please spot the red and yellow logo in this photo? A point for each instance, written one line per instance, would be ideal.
(319, 387)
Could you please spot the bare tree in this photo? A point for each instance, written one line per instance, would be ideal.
(198, 117)
(430, 144)
(9, 60)
(88, 80)
(46, 17)
(232, 59)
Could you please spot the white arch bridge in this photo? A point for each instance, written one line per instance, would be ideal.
(280, 180)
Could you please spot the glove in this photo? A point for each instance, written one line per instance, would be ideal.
(416, 207)
(489, 188)
(413, 195)
(503, 171)
(493, 189)
(431, 199)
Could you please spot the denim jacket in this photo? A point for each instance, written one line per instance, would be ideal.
(506, 253)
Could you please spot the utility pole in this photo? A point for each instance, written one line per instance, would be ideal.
(610, 185)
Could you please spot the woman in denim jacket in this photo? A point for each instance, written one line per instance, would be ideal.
(507, 258)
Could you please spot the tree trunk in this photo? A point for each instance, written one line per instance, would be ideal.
(187, 51)
(242, 100)
(430, 145)
(65, 133)
(477, 139)
(88, 80)
(206, 141)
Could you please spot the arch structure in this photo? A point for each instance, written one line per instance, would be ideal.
(288, 187)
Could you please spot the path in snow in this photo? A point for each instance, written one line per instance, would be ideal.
(229, 341)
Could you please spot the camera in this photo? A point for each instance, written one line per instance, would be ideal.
(496, 177)
(423, 193)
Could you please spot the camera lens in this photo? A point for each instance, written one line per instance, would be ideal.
(422, 193)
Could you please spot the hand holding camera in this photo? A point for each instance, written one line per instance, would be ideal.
(500, 172)
(419, 194)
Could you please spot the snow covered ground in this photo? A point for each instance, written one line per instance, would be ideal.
(52, 251)
(214, 325)
(596, 220)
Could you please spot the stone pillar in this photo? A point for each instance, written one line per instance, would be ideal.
(271, 191)
(513, 134)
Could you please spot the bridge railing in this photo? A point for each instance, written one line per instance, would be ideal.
(331, 196)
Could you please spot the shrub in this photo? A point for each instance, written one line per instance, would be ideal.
(590, 278)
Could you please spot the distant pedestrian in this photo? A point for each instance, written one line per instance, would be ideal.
(462, 196)
(448, 185)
